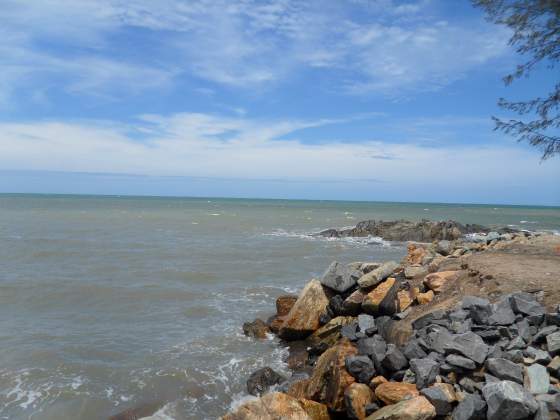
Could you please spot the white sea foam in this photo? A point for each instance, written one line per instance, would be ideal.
(350, 240)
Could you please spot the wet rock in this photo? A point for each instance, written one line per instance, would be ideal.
(473, 407)
(504, 369)
(537, 380)
(303, 318)
(374, 277)
(357, 396)
(441, 396)
(423, 298)
(382, 300)
(508, 400)
(425, 370)
(260, 381)
(393, 392)
(256, 329)
(394, 359)
(140, 411)
(526, 304)
(461, 362)
(339, 277)
(417, 408)
(469, 345)
(284, 303)
(553, 343)
(437, 281)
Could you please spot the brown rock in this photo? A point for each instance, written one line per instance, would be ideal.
(315, 410)
(303, 318)
(298, 389)
(393, 392)
(297, 356)
(437, 281)
(330, 332)
(415, 253)
(382, 299)
(418, 408)
(423, 298)
(435, 263)
(357, 396)
(353, 303)
(273, 406)
(405, 300)
(256, 329)
(330, 378)
(376, 381)
(284, 304)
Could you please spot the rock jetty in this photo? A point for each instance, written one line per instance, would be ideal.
(405, 340)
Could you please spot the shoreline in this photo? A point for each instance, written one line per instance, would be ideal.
(329, 325)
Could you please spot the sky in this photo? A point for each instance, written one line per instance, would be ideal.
(374, 100)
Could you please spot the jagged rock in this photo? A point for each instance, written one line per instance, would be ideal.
(438, 338)
(303, 318)
(284, 303)
(441, 396)
(256, 329)
(330, 378)
(502, 314)
(423, 298)
(340, 277)
(374, 347)
(504, 369)
(373, 278)
(394, 359)
(275, 405)
(460, 361)
(437, 281)
(411, 271)
(382, 300)
(473, 407)
(361, 368)
(526, 304)
(427, 319)
(508, 400)
(350, 331)
(352, 305)
(537, 380)
(336, 305)
(425, 370)
(469, 345)
(417, 408)
(543, 333)
(413, 350)
(369, 266)
(366, 323)
(480, 309)
(330, 333)
(261, 380)
(315, 410)
(393, 392)
(357, 396)
(416, 253)
(553, 343)
(554, 366)
(538, 355)
(404, 300)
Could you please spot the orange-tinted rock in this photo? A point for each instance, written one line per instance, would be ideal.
(330, 378)
(405, 300)
(382, 299)
(393, 392)
(437, 281)
(423, 298)
(298, 389)
(275, 323)
(376, 381)
(256, 329)
(284, 304)
(275, 405)
(315, 410)
(353, 303)
(357, 396)
(418, 408)
(415, 253)
(303, 318)
(329, 333)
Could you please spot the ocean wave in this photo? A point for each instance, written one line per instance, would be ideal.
(350, 240)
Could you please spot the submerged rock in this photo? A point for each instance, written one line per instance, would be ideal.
(256, 329)
(260, 381)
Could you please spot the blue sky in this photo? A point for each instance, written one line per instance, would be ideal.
(356, 99)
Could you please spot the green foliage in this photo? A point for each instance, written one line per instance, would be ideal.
(536, 34)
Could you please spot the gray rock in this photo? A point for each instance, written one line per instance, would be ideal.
(516, 344)
(425, 370)
(365, 322)
(504, 369)
(413, 350)
(361, 368)
(480, 309)
(411, 271)
(444, 247)
(554, 366)
(526, 304)
(394, 359)
(374, 277)
(473, 407)
(538, 355)
(262, 380)
(553, 343)
(502, 314)
(438, 338)
(469, 385)
(508, 400)
(541, 335)
(349, 331)
(339, 277)
(537, 379)
(515, 356)
(373, 346)
(552, 319)
(542, 412)
(469, 345)
(523, 330)
(439, 399)
(492, 236)
(428, 319)
(460, 361)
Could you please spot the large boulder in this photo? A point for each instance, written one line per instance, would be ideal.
(417, 408)
(382, 299)
(505, 369)
(508, 400)
(393, 392)
(303, 318)
(261, 380)
(357, 396)
(273, 406)
(374, 277)
(340, 277)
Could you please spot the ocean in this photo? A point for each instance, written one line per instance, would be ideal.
(108, 303)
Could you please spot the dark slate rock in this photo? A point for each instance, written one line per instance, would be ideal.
(516, 344)
(439, 399)
(469, 345)
(480, 309)
(438, 338)
(361, 368)
(373, 346)
(349, 331)
(502, 314)
(260, 381)
(339, 277)
(542, 412)
(428, 319)
(495, 352)
(508, 400)
(394, 359)
(366, 322)
(425, 370)
(526, 304)
(489, 334)
(324, 318)
(459, 315)
(552, 319)
(515, 356)
(535, 320)
(336, 305)
(460, 361)
(491, 378)
(523, 330)
(540, 336)
(445, 368)
(436, 357)
(504, 369)
(413, 350)
(540, 356)
(473, 407)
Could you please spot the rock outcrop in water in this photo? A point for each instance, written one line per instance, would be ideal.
(379, 351)
(404, 230)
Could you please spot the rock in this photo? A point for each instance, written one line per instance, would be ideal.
(554, 366)
(502, 314)
(413, 350)
(350, 331)
(298, 355)
(460, 361)
(416, 253)
(537, 380)
(376, 381)
(382, 300)
(444, 247)
(373, 278)
(357, 396)
(437, 281)
(539, 356)
(275, 405)
(352, 305)
(473, 407)
(366, 323)
(543, 333)
(315, 410)
(369, 266)
(361, 368)
(508, 400)
(412, 271)
(284, 303)
(504, 369)
(256, 329)
(553, 343)
(469, 345)
(303, 318)
(417, 408)
(374, 347)
(404, 300)
(423, 298)
(339, 277)
(394, 359)
(330, 378)
(526, 304)
(141, 411)
(261, 380)
(330, 333)
(441, 396)
(479, 309)
(425, 370)
(393, 392)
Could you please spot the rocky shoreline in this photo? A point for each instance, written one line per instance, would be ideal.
(427, 337)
